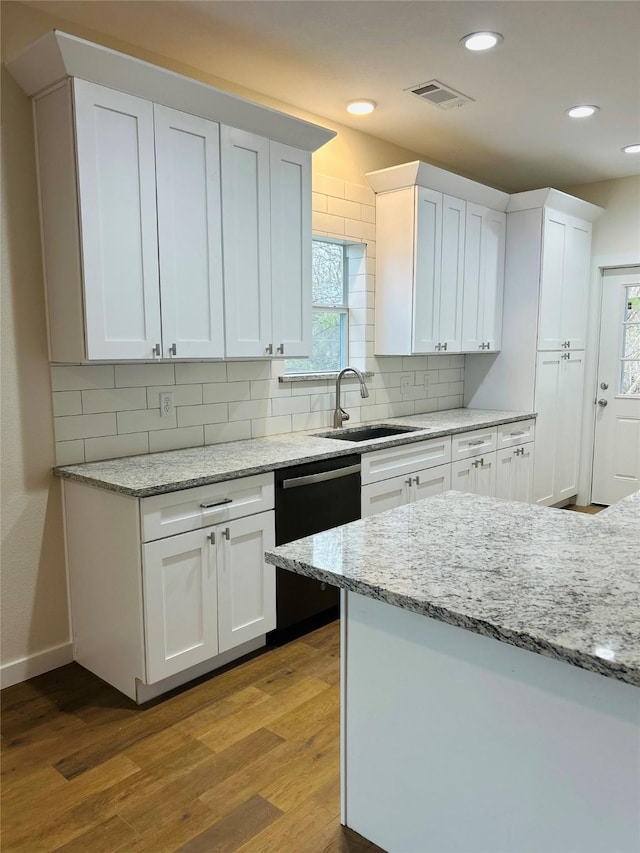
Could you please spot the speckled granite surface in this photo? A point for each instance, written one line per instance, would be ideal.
(561, 584)
(156, 473)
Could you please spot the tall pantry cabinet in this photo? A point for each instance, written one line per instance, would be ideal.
(541, 365)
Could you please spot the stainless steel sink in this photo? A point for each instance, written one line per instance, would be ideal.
(366, 433)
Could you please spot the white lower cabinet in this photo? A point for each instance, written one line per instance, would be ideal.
(151, 615)
(477, 476)
(206, 592)
(514, 473)
(397, 491)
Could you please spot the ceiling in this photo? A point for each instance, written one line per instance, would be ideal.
(318, 54)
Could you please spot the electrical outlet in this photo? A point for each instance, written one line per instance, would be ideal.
(166, 404)
(405, 382)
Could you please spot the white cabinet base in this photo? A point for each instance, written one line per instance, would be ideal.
(479, 746)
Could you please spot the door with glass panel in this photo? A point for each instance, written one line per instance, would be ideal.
(616, 455)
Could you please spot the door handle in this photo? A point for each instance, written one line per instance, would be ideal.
(602, 402)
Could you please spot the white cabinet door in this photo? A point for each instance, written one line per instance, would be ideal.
(477, 476)
(565, 282)
(483, 279)
(427, 270)
(452, 275)
(385, 494)
(514, 473)
(189, 234)
(432, 481)
(117, 192)
(569, 427)
(246, 243)
(180, 603)
(246, 584)
(291, 250)
(559, 390)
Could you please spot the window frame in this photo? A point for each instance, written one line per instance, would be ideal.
(320, 308)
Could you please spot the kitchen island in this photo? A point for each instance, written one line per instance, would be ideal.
(491, 674)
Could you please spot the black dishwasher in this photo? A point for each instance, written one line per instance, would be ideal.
(311, 497)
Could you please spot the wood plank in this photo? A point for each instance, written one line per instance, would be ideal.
(177, 791)
(235, 829)
(107, 836)
(291, 831)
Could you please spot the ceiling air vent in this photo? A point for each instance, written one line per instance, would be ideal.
(439, 95)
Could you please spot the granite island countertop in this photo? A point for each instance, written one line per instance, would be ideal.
(157, 473)
(561, 584)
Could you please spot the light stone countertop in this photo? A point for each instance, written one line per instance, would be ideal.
(561, 584)
(156, 473)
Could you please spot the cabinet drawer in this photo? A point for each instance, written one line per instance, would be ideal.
(189, 509)
(474, 443)
(405, 458)
(509, 435)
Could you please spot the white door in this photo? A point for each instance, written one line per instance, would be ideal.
(477, 476)
(180, 603)
(189, 234)
(246, 584)
(117, 189)
(291, 250)
(569, 426)
(384, 495)
(428, 261)
(514, 473)
(616, 453)
(431, 481)
(452, 274)
(483, 279)
(246, 235)
(566, 251)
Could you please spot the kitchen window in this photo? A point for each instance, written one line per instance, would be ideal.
(330, 324)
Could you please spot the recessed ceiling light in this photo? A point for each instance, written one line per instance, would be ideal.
(632, 149)
(481, 41)
(582, 111)
(361, 107)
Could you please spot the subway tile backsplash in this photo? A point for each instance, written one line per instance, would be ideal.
(106, 411)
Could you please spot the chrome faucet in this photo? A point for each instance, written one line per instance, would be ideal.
(339, 415)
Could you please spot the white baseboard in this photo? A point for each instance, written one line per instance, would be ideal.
(37, 664)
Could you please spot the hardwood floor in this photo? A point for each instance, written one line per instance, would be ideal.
(246, 760)
(592, 509)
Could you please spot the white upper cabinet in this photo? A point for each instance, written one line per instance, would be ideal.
(189, 234)
(290, 250)
(247, 242)
(266, 202)
(483, 279)
(439, 262)
(566, 252)
(136, 192)
(117, 201)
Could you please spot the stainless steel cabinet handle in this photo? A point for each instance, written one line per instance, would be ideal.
(515, 434)
(603, 403)
(173, 350)
(408, 482)
(444, 346)
(296, 482)
(482, 462)
(269, 349)
(156, 351)
(417, 481)
(475, 443)
(216, 503)
(212, 538)
(226, 533)
(280, 349)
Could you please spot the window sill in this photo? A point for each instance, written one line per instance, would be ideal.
(328, 376)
